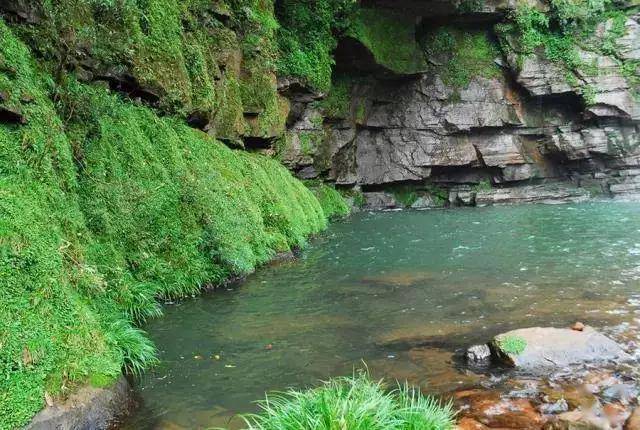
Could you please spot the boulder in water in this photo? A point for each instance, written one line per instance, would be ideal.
(540, 348)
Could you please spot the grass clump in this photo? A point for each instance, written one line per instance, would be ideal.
(512, 344)
(353, 403)
(391, 38)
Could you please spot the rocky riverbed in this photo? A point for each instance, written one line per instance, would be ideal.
(591, 381)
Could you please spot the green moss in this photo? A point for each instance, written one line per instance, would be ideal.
(332, 202)
(406, 195)
(307, 37)
(559, 32)
(391, 38)
(463, 54)
(107, 211)
(484, 185)
(357, 196)
(178, 50)
(439, 195)
(337, 103)
(514, 345)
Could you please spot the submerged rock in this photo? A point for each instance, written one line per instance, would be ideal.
(540, 348)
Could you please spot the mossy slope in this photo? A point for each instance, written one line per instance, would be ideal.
(104, 207)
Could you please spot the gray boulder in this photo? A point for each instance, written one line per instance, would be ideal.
(541, 348)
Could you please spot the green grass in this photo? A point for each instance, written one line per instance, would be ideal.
(106, 207)
(331, 201)
(352, 403)
(512, 344)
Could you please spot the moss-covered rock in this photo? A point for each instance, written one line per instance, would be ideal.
(390, 36)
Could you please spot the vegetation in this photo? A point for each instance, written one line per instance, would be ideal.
(463, 55)
(306, 38)
(406, 195)
(354, 403)
(512, 344)
(106, 207)
(337, 103)
(559, 32)
(391, 38)
(332, 203)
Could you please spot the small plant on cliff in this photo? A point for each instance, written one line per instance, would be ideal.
(355, 403)
(512, 344)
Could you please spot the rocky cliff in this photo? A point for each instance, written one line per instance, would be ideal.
(436, 103)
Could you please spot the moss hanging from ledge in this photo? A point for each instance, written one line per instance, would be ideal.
(461, 55)
(391, 38)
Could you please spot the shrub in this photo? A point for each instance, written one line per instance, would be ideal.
(351, 403)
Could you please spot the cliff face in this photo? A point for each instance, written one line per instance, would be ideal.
(513, 102)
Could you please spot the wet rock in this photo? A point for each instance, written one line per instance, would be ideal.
(478, 354)
(467, 423)
(557, 407)
(541, 348)
(576, 396)
(623, 393)
(578, 326)
(633, 422)
(616, 413)
(89, 408)
(493, 411)
(379, 200)
(578, 420)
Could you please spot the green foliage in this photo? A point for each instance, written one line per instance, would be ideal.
(104, 212)
(464, 54)
(391, 38)
(512, 344)
(470, 6)
(337, 103)
(306, 38)
(484, 185)
(558, 32)
(405, 194)
(331, 201)
(438, 194)
(180, 51)
(357, 197)
(354, 403)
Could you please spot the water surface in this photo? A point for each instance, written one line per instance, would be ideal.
(403, 292)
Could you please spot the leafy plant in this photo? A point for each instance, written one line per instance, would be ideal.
(354, 403)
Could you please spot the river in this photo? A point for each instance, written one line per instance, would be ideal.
(402, 293)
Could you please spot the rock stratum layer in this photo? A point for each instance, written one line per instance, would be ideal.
(487, 120)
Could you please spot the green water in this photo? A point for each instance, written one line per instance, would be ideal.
(403, 292)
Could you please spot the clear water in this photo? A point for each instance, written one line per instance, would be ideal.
(402, 292)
